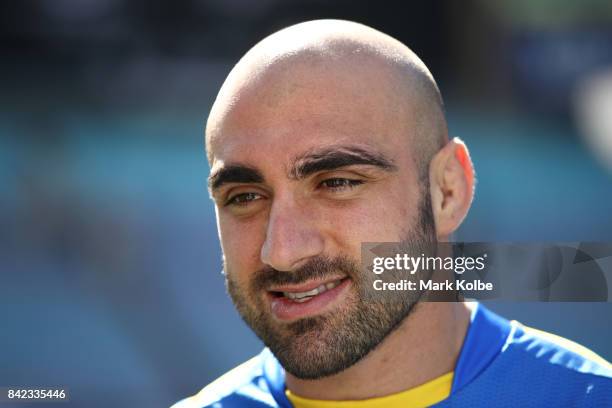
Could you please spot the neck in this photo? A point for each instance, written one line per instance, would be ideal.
(426, 345)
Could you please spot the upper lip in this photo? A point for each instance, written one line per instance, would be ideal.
(306, 286)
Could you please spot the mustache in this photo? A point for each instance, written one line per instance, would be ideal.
(316, 268)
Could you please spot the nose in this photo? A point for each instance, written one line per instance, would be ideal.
(292, 236)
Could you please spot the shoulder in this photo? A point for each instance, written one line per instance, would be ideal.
(515, 365)
(243, 386)
(540, 348)
(537, 368)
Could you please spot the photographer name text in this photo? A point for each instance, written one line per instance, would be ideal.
(460, 284)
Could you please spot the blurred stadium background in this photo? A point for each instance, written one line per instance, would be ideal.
(110, 279)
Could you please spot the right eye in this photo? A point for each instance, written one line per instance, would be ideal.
(242, 199)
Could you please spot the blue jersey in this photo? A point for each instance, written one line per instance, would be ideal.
(501, 364)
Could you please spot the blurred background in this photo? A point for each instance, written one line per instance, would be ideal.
(110, 279)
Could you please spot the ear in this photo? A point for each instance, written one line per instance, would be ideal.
(451, 177)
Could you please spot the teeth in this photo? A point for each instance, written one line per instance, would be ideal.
(332, 285)
(301, 297)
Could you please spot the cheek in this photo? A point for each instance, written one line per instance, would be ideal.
(241, 245)
(382, 216)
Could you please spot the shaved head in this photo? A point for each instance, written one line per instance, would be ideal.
(326, 135)
(338, 59)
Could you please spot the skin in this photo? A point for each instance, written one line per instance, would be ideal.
(335, 85)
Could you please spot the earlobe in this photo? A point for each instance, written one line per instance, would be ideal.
(451, 186)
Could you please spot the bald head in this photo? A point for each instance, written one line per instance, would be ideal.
(321, 60)
(326, 135)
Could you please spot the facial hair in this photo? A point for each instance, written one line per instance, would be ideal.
(326, 344)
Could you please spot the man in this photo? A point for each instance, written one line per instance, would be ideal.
(326, 135)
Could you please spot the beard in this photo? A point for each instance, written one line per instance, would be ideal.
(326, 344)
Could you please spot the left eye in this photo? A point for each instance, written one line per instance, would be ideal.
(340, 183)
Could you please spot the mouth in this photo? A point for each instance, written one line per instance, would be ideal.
(301, 296)
(291, 302)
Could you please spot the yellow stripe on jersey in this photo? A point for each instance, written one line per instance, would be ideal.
(422, 396)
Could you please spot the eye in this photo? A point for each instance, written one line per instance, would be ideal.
(243, 199)
(336, 184)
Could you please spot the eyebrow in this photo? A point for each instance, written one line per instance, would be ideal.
(234, 173)
(329, 158)
(332, 158)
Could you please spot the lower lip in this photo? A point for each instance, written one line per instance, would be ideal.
(286, 309)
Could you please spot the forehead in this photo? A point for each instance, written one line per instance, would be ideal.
(292, 108)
